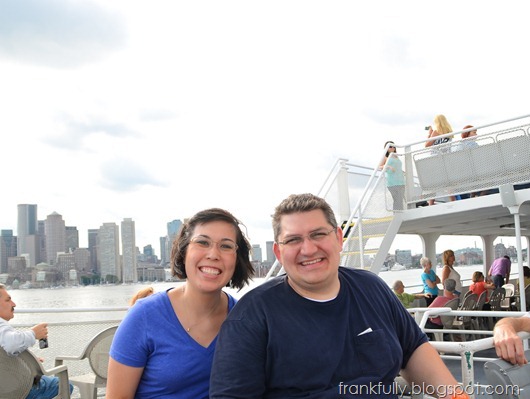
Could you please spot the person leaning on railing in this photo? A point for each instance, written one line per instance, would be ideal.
(508, 344)
(14, 342)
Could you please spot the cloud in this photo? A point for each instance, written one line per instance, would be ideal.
(58, 33)
(122, 174)
(77, 130)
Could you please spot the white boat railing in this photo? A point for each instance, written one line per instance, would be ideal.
(464, 350)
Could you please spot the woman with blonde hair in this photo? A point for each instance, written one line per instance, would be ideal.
(441, 127)
(142, 293)
(449, 272)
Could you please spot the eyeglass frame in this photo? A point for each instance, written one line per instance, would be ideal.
(303, 237)
(193, 241)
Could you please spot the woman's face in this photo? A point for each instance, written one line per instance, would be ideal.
(211, 255)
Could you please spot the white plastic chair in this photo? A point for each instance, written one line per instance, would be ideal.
(97, 353)
(17, 374)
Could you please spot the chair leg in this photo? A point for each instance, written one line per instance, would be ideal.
(88, 391)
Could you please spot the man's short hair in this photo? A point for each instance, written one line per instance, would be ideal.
(450, 285)
(296, 203)
(397, 284)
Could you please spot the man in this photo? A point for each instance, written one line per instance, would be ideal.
(405, 298)
(15, 342)
(320, 331)
(508, 344)
(500, 271)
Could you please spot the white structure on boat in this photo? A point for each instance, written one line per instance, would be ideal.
(500, 162)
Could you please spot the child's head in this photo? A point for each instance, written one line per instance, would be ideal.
(477, 276)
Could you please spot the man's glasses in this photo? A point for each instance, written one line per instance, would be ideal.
(315, 236)
(206, 243)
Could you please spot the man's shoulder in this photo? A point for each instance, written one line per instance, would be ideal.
(265, 288)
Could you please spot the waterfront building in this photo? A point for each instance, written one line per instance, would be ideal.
(55, 232)
(71, 238)
(92, 247)
(256, 253)
(128, 250)
(27, 232)
(108, 251)
(8, 248)
(83, 261)
(271, 258)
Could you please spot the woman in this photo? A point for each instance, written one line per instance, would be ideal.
(430, 280)
(441, 127)
(164, 346)
(395, 180)
(449, 271)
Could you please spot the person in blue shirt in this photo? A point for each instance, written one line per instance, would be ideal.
(164, 346)
(320, 330)
(429, 279)
(395, 178)
(14, 342)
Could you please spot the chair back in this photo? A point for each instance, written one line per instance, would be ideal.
(496, 298)
(508, 381)
(16, 376)
(97, 352)
(481, 300)
(509, 290)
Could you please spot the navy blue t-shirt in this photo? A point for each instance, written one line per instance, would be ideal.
(277, 344)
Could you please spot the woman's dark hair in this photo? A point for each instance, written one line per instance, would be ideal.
(388, 152)
(526, 271)
(243, 271)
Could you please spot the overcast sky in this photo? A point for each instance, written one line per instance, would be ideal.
(157, 109)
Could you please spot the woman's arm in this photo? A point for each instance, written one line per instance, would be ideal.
(432, 133)
(122, 380)
(445, 273)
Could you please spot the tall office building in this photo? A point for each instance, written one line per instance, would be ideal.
(72, 238)
(256, 253)
(93, 248)
(173, 228)
(108, 251)
(128, 250)
(270, 253)
(55, 231)
(8, 248)
(27, 233)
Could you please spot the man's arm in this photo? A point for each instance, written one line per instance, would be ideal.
(508, 344)
(14, 341)
(426, 368)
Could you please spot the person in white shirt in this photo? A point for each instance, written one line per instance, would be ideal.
(14, 342)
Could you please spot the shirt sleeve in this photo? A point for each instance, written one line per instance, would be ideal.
(14, 341)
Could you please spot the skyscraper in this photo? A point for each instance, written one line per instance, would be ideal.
(8, 248)
(92, 247)
(128, 250)
(55, 230)
(108, 251)
(256, 252)
(27, 232)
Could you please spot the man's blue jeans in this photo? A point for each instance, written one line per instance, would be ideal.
(47, 388)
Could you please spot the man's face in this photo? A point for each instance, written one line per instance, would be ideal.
(312, 262)
(7, 306)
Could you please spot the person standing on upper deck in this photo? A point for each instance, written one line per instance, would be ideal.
(441, 127)
(395, 179)
(500, 271)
